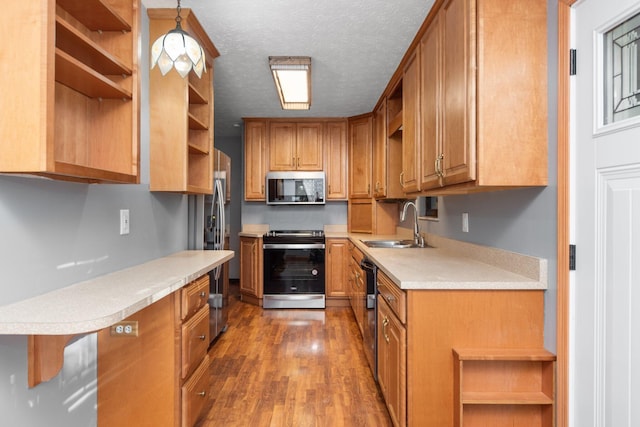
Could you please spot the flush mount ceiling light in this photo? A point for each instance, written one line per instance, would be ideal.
(292, 76)
(177, 49)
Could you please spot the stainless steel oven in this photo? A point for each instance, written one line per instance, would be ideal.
(294, 269)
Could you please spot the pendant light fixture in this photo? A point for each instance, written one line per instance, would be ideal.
(177, 49)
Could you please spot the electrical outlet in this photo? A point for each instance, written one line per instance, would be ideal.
(124, 221)
(126, 328)
(465, 222)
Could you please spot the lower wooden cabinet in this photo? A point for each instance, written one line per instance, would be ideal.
(392, 362)
(194, 342)
(504, 387)
(417, 332)
(357, 288)
(251, 269)
(160, 376)
(195, 394)
(336, 265)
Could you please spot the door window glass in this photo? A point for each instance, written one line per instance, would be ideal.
(621, 77)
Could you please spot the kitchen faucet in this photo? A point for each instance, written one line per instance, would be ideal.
(417, 238)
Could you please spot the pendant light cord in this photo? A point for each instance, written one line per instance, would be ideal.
(178, 18)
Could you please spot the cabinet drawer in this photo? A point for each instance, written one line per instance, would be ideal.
(194, 296)
(195, 340)
(356, 254)
(394, 296)
(195, 394)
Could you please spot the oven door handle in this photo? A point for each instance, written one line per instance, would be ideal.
(293, 246)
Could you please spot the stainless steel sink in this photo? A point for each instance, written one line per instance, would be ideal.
(393, 244)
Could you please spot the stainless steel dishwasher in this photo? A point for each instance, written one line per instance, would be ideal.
(371, 328)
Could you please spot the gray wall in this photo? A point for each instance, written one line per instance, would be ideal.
(233, 149)
(56, 233)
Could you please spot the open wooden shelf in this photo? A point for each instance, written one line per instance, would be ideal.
(395, 123)
(511, 381)
(505, 398)
(79, 98)
(196, 124)
(195, 96)
(72, 41)
(79, 77)
(195, 149)
(181, 117)
(95, 15)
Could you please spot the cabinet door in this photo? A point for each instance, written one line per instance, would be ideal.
(411, 125)
(337, 264)
(255, 154)
(250, 270)
(458, 92)
(392, 363)
(360, 157)
(282, 146)
(309, 147)
(380, 151)
(336, 165)
(430, 67)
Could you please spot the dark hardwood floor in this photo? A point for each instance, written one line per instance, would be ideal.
(291, 368)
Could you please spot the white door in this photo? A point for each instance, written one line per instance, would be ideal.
(605, 373)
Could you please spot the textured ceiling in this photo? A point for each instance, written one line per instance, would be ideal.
(354, 45)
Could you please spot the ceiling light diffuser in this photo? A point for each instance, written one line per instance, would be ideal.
(292, 76)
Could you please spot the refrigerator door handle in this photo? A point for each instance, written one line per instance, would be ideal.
(219, 236)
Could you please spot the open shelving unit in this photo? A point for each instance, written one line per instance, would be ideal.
(77, 100)
(181, 146)
(504, 387)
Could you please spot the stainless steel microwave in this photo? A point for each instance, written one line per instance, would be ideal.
(295, 188)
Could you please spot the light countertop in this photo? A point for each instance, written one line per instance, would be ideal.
(447, 264)
(452, 264)
(101, 302)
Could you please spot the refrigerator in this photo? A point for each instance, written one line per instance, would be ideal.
(216, 238)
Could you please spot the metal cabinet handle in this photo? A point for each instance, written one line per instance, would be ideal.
(202, 337)
(262, 189)
(390, 298)
(202, 393)
(385, 323)
(202, 294)
(402, 179)
(439, 170)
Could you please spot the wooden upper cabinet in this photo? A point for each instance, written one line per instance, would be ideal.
(73, 112)
(295, 146)
(255, 158)
(282, 146)
(360, 156)
(309, 147)
(181, 115)
(430, 69)
(411, 125)
(335, 143)
(483, 90)
(458, 143)
(380, 150)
